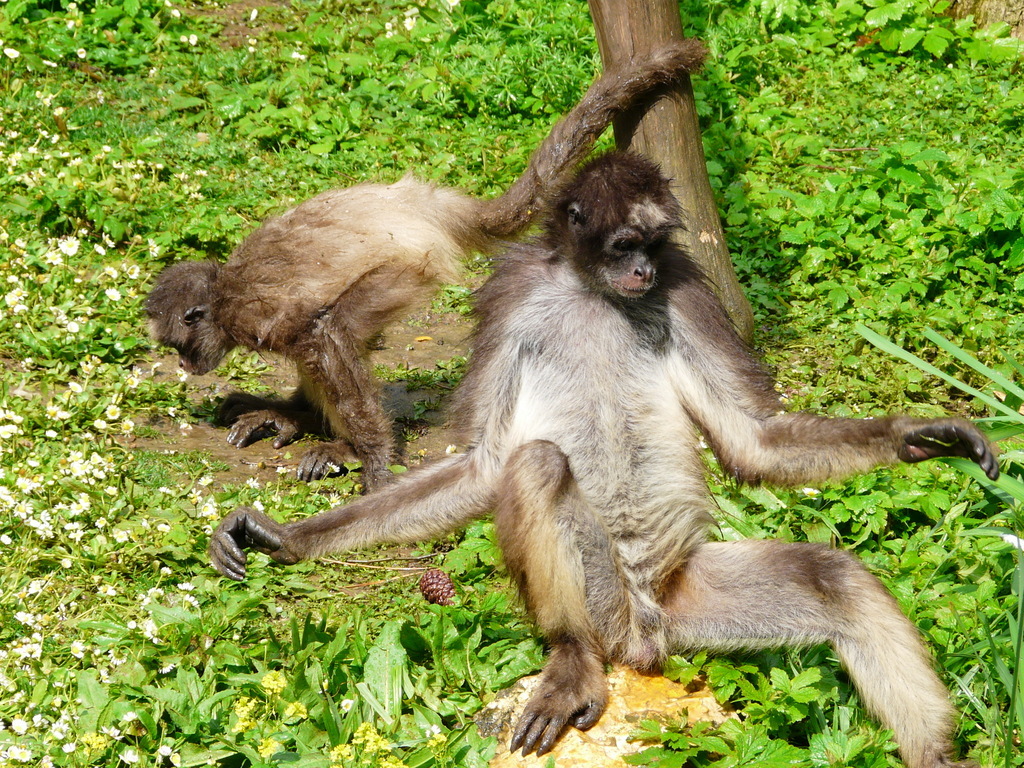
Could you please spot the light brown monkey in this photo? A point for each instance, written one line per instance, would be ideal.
(321, 281)
(601, 354)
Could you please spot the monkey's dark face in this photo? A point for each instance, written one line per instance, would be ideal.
(180, 317)
(613, 222)
(622, 262)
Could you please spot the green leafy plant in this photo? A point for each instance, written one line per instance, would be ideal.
(1006, 661)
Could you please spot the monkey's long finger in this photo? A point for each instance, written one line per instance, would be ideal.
(243, 434)
(312, 467)
(227, 557)
(988, 463)
(521, 731)
(555, 728)
(979, 450)
(286, 433)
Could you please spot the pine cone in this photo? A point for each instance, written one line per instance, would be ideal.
(437, 587)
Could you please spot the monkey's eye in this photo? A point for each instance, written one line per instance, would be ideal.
(194, 315)
(628, 243)
(576, 217)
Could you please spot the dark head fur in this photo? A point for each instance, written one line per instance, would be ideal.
(613, 222)
(180, 315)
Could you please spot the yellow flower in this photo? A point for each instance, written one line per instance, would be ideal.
(94, 741)
(243, 710)
(341, 756)
(296, 710)
(371, 741)
(437, 740)
(274, 682)
(269, 747)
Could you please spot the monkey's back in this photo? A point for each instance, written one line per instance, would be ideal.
(408, 237)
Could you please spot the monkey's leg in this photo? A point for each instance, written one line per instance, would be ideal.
(337, 380)
(426, 502)
(758, 594)
(562, 560)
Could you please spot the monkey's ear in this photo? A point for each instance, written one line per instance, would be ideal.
(576, 217)
(194, 315)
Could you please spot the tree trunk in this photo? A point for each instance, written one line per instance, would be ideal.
(669, 134)
(987, 12)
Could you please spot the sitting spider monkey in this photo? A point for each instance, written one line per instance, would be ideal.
(319, 283)
(600, 355)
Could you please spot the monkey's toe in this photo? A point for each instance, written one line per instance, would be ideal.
(325, 459)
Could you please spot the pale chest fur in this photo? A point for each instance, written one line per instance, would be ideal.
(588, 380)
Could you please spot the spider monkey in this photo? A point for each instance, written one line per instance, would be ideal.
(600, 355)
(320, 282)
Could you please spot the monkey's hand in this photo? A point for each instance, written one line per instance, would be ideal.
(245, 528)
(561, 700)
(949, 437)
(248, 428)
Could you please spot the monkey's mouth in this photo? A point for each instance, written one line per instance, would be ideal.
(632, 287)
(193, 368)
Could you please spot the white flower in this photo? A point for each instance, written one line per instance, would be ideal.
(68, 245)
(20, 754)
(113, 294)
(10, 53)
(19, 726)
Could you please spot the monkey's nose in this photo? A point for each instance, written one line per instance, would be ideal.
(644, 272)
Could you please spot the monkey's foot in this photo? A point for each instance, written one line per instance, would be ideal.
(245, 528)
(950, 437)
(324, 459)
(573, 691)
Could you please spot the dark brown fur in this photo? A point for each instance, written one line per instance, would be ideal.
(321, 281)
(601, 353)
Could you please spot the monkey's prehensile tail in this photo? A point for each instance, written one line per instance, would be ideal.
(572, 137)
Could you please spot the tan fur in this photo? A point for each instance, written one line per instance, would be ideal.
(317, 283)
(583, 405)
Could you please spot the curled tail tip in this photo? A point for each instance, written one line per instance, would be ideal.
(686, 55)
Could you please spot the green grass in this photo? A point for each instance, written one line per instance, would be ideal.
(866, 160)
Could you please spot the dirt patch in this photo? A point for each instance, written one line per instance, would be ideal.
(242, 20)
(423, 433)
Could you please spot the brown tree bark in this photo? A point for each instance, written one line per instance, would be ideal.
(987, 12)
(668, 133)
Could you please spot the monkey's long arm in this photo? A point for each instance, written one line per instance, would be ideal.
(733, 401)
(799, 448)
(426, 503)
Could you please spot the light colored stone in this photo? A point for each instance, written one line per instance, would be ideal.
(632, 697)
